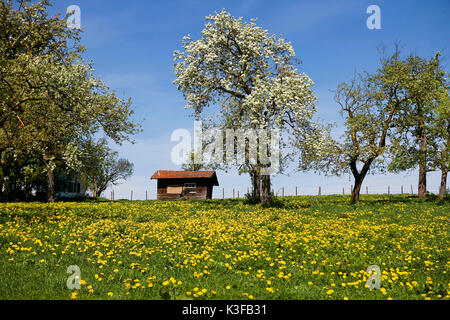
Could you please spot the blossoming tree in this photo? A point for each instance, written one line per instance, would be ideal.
(251, 79)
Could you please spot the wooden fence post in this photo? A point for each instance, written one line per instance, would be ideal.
(401, 190)
(412, 191)
(282, 192)
(320, 191)
(238, 194)
(389, 190)
(233, 193)
(295, 190)
(343, 191)
(223, 193)
(146, 195)
(367, 190)
(131, 197)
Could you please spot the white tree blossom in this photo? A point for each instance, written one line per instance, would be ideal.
(252, 79)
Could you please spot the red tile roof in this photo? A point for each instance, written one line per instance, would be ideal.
(172, 174)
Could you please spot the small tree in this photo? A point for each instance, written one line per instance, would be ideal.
(420, 127)
(101, 167)
(368, 115)
(368, 104)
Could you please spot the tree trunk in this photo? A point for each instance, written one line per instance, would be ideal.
(256, 184)
(422, 163)
(101, 189)
(265, 182)
(359, 178)
(1, 188)
(422, 182)
(356, 190)
(95, 191)
(443, 187)
(2, 177)
(50, 184)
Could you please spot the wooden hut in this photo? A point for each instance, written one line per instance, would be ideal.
(173, 185)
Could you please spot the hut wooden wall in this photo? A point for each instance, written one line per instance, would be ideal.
(203, 189)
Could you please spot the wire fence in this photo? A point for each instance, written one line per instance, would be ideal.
(240, 192)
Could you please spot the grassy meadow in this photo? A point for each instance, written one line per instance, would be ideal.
(309, 247)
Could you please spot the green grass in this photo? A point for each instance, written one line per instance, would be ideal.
(311, 247)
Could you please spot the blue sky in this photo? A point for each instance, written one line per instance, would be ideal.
(131, 44)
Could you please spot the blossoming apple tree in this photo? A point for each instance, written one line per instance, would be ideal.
(250, 80)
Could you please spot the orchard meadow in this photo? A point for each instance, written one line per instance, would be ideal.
(309, 247)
